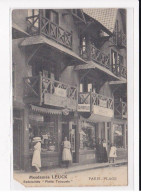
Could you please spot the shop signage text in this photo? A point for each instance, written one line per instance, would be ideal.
(60, 92)
(103, 111)
(83, 108)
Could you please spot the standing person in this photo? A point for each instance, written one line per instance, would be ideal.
(99, 150)
(66, 154)
(105, 156)
(112, 154)
(36, 159)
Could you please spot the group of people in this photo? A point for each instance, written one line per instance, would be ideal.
(36, 159)
(101, 152)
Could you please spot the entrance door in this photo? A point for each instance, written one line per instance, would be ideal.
(65, 131)
(17, 130)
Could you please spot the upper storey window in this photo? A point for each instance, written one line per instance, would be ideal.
(52, 16)
(32, 13)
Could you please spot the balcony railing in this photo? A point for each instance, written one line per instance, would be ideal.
(120, 109)
(119, 39)
(96, 103)
(119, 70)
(92, 53)
(46, 91)
(41, 25)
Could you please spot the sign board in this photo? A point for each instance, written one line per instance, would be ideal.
(60, 92)
(83, 108)
(35, 117)
(103, 111)
(103, 103)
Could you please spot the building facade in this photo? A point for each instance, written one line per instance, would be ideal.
(69, 79)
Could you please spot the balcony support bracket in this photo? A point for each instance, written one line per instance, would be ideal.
(84, 75)
(32, 55)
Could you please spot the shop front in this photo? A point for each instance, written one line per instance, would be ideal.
(120, 138)
(88, 135)
(52, 125)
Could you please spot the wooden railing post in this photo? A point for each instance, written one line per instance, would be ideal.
(91, 102)
(40, 21)
(40, 88)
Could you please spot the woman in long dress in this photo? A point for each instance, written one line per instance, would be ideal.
(36, 159)
(66, 154)
(105, 156)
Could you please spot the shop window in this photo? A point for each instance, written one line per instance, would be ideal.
(45, 128)
(87, 137)
(118, 135)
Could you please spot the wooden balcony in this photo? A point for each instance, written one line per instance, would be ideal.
(120, 109)
(39, 25)
(92, 53)
(95, 103)
(119, 39)
(44, 91)
(119, 71)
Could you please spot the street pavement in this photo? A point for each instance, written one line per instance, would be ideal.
(104, 174)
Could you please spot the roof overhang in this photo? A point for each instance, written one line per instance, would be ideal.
(94, 65)
(36, 40)
(118, 82)
(20, 33)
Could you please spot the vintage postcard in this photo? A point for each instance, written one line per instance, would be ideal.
(70, 121)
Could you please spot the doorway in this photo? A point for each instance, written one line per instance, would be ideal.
(17, 139)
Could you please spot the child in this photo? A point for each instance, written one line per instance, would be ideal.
(112, 154)
(36, 159)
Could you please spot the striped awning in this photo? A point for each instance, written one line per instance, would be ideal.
(45, 110)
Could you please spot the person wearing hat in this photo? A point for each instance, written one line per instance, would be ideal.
(36, 159)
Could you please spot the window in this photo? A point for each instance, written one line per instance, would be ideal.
(87, 136)
(118, 135)
(44, 127)
(33, 13)
(117, 61)
(52, 16)
(81, 87)
(90, 86)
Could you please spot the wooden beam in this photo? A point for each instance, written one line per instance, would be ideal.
(33, 53)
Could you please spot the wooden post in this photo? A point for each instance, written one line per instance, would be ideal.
(106, 137)
(112, 132)
(40, 89)
(91, 102)
(40, 21)
(78, 125)
(124, 136)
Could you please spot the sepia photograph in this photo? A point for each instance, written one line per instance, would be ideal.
(69, 97)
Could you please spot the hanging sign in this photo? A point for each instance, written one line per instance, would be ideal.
(83, 108)
(103, 103)
(35, 117)
(65, 112)
(60, 92)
